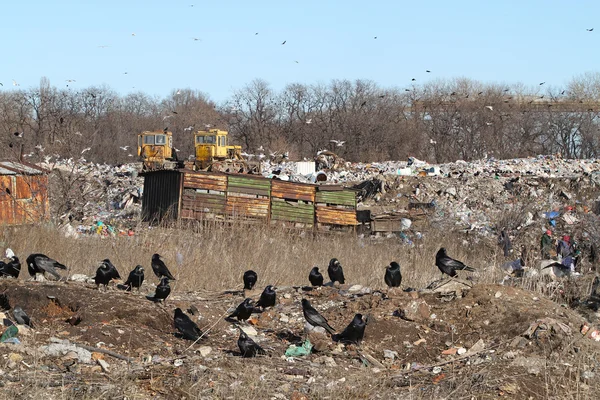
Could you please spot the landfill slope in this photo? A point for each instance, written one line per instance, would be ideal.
(485, 340)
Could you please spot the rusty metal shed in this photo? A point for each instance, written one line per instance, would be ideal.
(23, 193)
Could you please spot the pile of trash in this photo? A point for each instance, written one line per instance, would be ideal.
(106, 199)
(341, 171)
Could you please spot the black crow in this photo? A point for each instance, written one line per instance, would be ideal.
(40, 263)
(11, 268)
(135, 279)
(243, 311)
(315, 277)
(335, 271)
(313, 317)
(267, 298)
(393, 277)
(106, 273)
(449, 265)
(162, 290)
(188, 328)
(159, 268)
(250, 278)
(21, 317)
(354, 332)
(248, 347)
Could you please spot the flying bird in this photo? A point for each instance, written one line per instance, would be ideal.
(354, 332)
(134, 280)
(338, 143)
(39, 264)
(105, 273)
(21, 317)
(86, 149)
(490, 108)
(393, 277)
(15, 83)
(590, 30)
(267, 298)
(335, 271)
(250, 278)
(315, 277)
(159, 268)
(18, 134)
(427, 70)
(313, 317)
(448, 265)
(541, 83)
(188, 328)
(283, 42)
(247, 346)
(124, 148)
(162, 290)
(242, 311)
(309, 121)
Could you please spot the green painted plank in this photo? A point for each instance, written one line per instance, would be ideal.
(345, 198)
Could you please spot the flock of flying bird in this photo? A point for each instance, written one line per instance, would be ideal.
(187, 329)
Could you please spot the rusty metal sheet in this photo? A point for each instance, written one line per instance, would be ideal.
(23, 186)
(240, 206)
(293, 190)
(206, 181)
(26, 200)
(335, 216)
(7, 207)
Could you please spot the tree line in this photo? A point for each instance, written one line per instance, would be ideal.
(438, 121)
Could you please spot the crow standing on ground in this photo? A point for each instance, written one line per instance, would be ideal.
(21, 317)
(248, 347)
(449, 265)
(243, 311)
(313, 317)
(159, 268)
(105, 273)
(39, 264)
(267, 298)
(162, 290)
(315, 277)
(250, 278)
(11, 268)
(188, 328)
(393, 277)
(135, 279)
(335, 271)
(354, 332)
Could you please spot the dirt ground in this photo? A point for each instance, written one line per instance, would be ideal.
(419, 355)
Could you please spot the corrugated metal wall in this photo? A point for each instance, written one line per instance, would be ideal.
(162, 193)
(23, 198)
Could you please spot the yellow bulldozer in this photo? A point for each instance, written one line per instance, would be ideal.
(213, 153)
(155, 148)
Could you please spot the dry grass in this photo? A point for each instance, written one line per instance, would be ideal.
(215, 257)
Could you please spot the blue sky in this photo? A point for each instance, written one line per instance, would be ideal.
(503, 42)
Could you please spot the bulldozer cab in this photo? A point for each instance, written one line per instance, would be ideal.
(155, 146)
(213, 144)
(155, 149)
